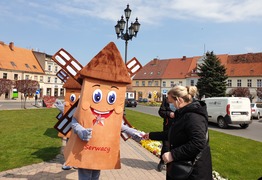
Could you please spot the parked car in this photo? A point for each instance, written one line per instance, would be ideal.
(130, 103)
(142, 100)
(256, 110)
(229, 110)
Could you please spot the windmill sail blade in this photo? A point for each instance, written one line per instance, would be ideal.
(133, 66)
(64, 121)
(62, 75)
(68, 63)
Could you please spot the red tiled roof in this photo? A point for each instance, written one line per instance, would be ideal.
(18, 59)
(244, 69)
(152, 70)
(177, 68)
(249, 64)
(223, 58)
(245, 58)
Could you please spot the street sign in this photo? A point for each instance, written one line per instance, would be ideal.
(37, 91)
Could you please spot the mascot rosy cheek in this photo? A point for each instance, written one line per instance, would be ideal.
(100, 107)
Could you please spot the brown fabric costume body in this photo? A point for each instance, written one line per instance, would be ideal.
(107, 73)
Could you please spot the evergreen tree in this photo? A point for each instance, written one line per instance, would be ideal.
(212, 77)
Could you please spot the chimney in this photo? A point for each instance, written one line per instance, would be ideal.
(11, 46)
(183, 58)
(155, 61)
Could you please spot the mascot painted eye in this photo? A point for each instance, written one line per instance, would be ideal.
(72, 97)
(111, 97)
(97, 96)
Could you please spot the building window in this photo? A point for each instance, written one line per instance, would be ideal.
(27, 66)
(164, 83)
(26, 77)
(13, 63)
(137, 83)
(4, 75)
(192, 82)
(15, 76)
(143, 83)
(56, 68)
(239, 83)
(48, 91)
(149, 95)
(55, 80)
(61, 92)
(249, 83)
(49, 79)
(34, 67)
(156, 83)
(49, 68)
(229, 83)
(180, 83)
(35, 78)
(149, 83)
(259, 83)
(41, 78)
(172, 84)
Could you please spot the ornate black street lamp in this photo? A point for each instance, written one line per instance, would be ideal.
(130, 31)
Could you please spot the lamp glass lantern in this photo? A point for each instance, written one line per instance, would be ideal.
(127, 12)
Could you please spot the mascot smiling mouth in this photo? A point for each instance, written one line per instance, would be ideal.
(100, 116)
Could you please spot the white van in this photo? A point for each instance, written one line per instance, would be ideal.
(229, 110)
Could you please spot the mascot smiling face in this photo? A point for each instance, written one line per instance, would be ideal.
(100, 107)
(104, 100)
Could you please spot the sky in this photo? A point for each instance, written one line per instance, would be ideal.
(169, 28)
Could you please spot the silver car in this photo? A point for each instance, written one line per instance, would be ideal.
(256, 110)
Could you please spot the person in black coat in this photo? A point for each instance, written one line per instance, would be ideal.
(188, 135)
(168, 115)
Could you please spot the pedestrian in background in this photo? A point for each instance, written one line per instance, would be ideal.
(188, 135)
(167, 112)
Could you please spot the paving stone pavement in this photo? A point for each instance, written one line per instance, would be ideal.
(137, 163)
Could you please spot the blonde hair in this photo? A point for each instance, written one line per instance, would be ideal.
(187, 93)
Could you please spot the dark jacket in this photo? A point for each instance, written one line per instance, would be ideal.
(164, 111)
(187, 138)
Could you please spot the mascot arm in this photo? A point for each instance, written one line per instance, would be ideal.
(84, 134)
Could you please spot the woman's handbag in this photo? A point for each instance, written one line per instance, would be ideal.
(179, 170)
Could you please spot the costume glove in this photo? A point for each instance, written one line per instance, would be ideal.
(84, 134)
(137, 136)
(59, 105)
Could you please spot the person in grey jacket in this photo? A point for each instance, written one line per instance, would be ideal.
(188, 135)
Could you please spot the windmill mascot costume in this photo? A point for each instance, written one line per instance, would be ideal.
(94, 143)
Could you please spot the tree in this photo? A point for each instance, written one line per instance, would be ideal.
(5, 85)
(212, 77)
(240, 92)
(259, 92)
(26, 87)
